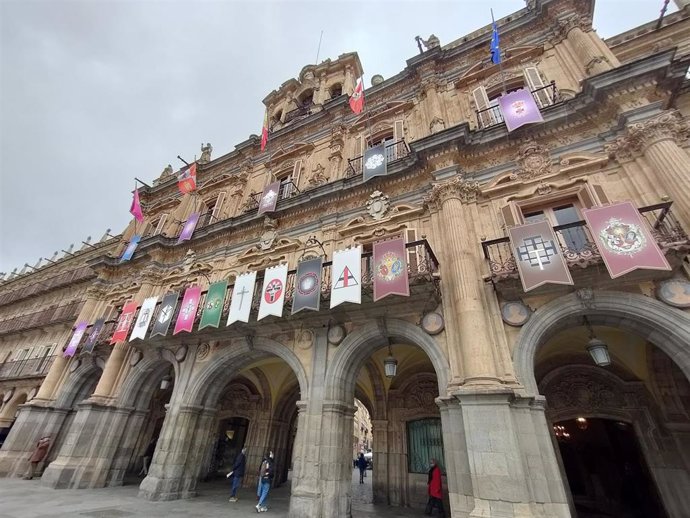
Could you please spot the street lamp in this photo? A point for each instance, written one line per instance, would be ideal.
(165, 382)
(390, 364)
(597, 349)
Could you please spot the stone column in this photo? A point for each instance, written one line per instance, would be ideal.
(381, 480)
(461, 281)
(578, 31)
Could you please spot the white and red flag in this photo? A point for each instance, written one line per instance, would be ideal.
(346, 276)
(357, 97)
(273, 291)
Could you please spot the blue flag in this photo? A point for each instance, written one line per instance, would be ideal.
(495, 49)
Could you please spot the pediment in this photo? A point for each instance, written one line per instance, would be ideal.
(382, 112)
(290, 151)
(256, 256)
(396, 218)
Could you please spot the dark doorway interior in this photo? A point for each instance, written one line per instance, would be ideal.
(607, 474)
(232, 434)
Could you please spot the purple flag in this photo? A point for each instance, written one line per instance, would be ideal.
(188, 228)
(190, 303)
(76, 338)
(519, 108)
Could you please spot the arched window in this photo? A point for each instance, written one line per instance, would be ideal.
(336, 90)
(306, 98)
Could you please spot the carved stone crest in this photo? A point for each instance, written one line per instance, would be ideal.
(378, 205)
(270, 234)
(437, 124)
(533, 160)
(317, 178)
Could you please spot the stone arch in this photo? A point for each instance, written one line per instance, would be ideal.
(142, 380)
(203, 391)
(360, 344)
(78, 382)
(665, 327)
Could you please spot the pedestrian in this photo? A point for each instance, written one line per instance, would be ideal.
(38, 455)
(237, 473)
(266, 474)
(147, 456)
(435, 490)
(362, 465)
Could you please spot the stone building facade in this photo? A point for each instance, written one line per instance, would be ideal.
(495, 382)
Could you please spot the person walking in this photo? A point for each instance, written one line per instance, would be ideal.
(147, 456)
(362, 465)
(435, 490)
(237, 473)
(266, 473)
(37, 456)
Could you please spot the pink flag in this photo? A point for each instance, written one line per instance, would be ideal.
(390, 269)
(190, 303)
(135, 209)
(623, 239)
(76, 338)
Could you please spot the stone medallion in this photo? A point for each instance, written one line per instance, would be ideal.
(32, 394)
(433, 323)
(378, 205)
(305, 339)
(675, 292)
(203, 351)
(515, 313)
(135, 358)
(336, 334)
(8, 395)
(181, 353)
(74, 365)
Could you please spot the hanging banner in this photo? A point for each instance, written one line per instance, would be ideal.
(269, 198)
(273, 291)
(165, 314)
(186, 180)
(390, 269)
(76, 338)
(124, 322)
(242, 294)
(144, 318)
(346, 276)
(623, 239)
(307, 285)
(92, 340)
(131, 247)
(190, 303)
(538, 255)
(519, 108)
(375, 163)
(189, 227)
(213, 305)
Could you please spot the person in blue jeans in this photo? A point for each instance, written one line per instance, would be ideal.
(237, 473)
(266, 473)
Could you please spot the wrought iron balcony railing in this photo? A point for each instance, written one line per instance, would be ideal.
(63, 279)
(547, 95)
(394, 151)
(579, 247)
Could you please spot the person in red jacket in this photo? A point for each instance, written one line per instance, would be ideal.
(435, 490)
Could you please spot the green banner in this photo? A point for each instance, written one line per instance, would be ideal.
(213, 306)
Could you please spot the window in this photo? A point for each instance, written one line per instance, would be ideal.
(336, 90)
(289, 181)
(424, 442)
(160, 225)
(559, 213)
(43, 358)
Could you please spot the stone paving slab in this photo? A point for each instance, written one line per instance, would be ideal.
(29, 499)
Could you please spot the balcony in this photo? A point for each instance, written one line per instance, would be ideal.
(288, 189)
(545, 96)
(298, 113)
(394, 151)
(580, 252)
(49, 316)
(64, 279)
(29, 368)
(422, 268)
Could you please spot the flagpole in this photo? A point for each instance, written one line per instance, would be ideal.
(500, 60)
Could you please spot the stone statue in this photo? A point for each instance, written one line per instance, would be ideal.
(206, 150)
(165, 175)
(431, 43)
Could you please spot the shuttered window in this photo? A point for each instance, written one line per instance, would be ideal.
(412, 253)
(216, 213)
(161, 225)
(481, 102)
(535, 82)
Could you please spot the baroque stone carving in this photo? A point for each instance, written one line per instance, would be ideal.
(165, 175)
(378, 205)
(533, 160)
(269, 235)
(639, 135)
(437, 124)
(455, 188)
(317, 178)
(574, 21)
(206, 151)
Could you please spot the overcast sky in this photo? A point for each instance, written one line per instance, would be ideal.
(94, 93)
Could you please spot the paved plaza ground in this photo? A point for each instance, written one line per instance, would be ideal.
(28, 499)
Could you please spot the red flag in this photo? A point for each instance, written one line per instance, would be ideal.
(186, 181)
(264, 131)
(623, 239)
(390, 269)
(124, 323)
(357, 97)
(135, 209)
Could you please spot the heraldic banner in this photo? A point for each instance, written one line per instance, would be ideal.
(190, 303)
(189, 227)
(538, 255)
(95, 334)
(390, 269)
(213, 305)
(76, 338)
(131, 247)
(307, 285)
(269, 198)
(125, 321)
(165, 314)
(242, 294)
(346, 276)
(273, 292)
(519, 108)
(623, 239)
(144, 318)
(374, 162)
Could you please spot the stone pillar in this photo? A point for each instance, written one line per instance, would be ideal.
(578, 31)
(381, 480)
(461, 281)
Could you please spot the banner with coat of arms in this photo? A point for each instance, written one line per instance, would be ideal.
(273, 292)
(519, 108)
(390, 269)
(624, 239)
(308, 285)
(190, 303)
